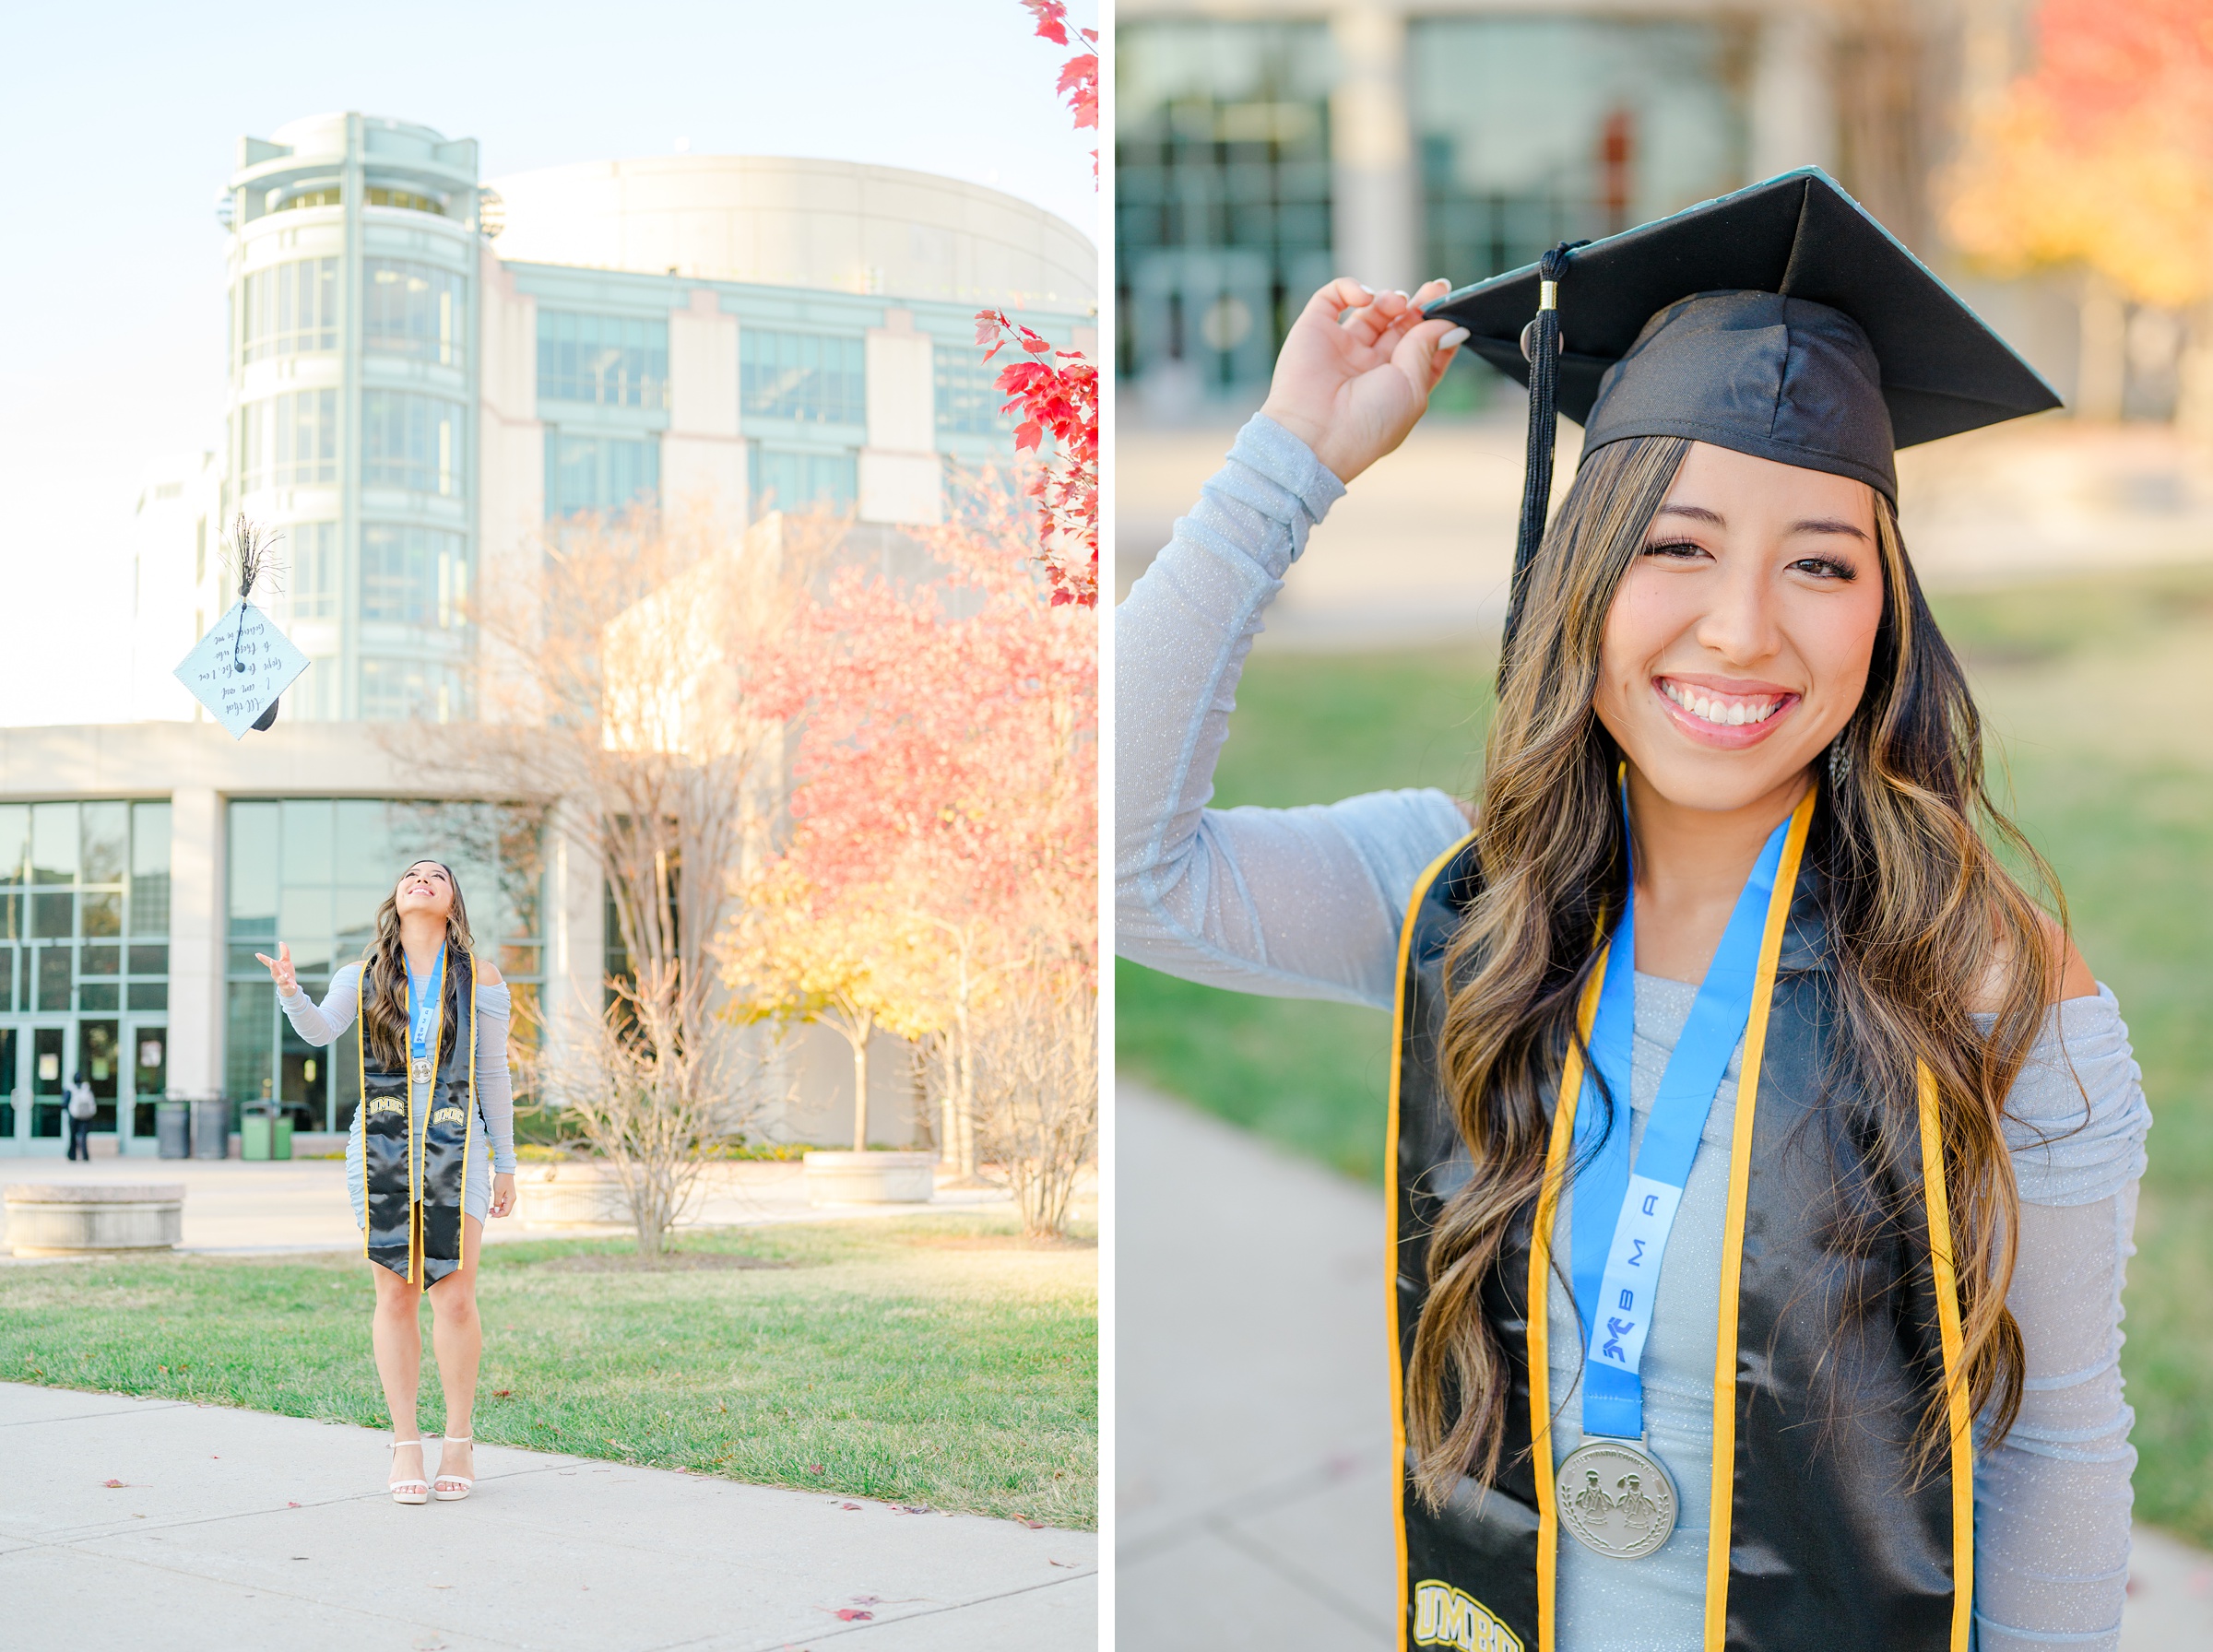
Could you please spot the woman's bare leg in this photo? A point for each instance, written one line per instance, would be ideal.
(397, 1335)
(458, 1337)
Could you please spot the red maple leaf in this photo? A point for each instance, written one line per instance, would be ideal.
(1079, 81)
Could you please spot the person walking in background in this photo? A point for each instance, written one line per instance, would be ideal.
(431, 1151)
(83, 1104)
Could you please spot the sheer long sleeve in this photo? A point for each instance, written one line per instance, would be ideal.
(1291, 902)
(495, 1084)
(321, 1023)
(2052, 1498)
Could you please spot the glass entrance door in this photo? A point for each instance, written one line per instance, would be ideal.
(149, 1076)
(49, 1081)
(9, 1080)
(100, 1060)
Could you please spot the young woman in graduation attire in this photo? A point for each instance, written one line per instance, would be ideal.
(431, 1148)
(1764, 1160)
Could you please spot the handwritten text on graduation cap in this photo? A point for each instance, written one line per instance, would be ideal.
(240, 668)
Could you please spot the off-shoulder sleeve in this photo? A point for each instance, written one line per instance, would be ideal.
(320, 1024)
(495, 1084)
(1298, 903)
(2052, 1497)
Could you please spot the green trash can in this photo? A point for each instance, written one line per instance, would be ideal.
(265, 1136)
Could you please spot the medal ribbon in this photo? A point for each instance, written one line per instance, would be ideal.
(1616, 1268)
(422, 1007)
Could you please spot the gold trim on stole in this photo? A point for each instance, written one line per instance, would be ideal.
(1537, 1316)
(1947, 1284)
(1724, 1484)
(1391, 1228)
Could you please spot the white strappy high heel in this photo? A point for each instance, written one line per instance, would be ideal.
(413, 1490)
(463, 1480)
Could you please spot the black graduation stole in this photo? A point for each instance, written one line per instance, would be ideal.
(414, 1202)
(1825, 1531)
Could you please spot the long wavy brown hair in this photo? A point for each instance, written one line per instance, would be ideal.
(385, 978)
(1925, 926)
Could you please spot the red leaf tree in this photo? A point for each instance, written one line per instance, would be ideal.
(943, 815)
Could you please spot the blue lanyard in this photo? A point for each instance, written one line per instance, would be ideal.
(1616, 1265)
(422, 1006)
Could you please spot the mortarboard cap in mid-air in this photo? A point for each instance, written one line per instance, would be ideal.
(1782, 321)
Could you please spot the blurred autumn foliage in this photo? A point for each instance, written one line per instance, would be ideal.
(941, 855)
(2102, 156)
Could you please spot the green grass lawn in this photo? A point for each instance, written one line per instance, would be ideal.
(2095, 692)
(938, 1361)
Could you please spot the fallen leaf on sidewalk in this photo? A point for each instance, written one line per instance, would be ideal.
(111, 1482)
(852, 1615)
(1033, 1525)
(1069, 1563)
(848, 1506)
(289, 1503)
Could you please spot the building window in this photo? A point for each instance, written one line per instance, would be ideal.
(799, 482)
(968, 400)
(292, 309)
(406, 199)
(1639, 121)
(611, 361)
(412, 441)
(312, 872)
(812, 378)
(414, 691)
(414, 576)
(325, 196)
(600, 473)
(1221, 193)
(289, 441)
(84, 944)
(412, 310)
(314, 571)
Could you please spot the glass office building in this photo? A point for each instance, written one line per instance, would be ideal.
(84, 962)
(429, 376)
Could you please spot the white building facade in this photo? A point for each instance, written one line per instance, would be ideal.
(426, 373)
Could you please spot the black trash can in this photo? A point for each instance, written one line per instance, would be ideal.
(172, 1128)
(211, 1129)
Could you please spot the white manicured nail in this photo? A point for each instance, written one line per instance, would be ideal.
(1457, 336)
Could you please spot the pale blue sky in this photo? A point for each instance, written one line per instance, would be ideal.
(117, 128)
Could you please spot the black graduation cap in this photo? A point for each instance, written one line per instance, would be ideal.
(1782, 321)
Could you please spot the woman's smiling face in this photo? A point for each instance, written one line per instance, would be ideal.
(1739, 640)
(425, 887)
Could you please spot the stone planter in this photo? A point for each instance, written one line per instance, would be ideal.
(870, 1179)
(71, 1219)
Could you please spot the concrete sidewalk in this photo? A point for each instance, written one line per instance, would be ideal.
(235, 1208)
(1251, 1392)
(236, 1530)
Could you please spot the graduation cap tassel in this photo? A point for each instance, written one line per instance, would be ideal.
(1541, 346)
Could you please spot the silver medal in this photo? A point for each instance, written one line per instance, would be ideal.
(418, 1069)
(1616, 1499)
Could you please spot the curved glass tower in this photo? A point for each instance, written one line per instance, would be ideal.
(353, 363)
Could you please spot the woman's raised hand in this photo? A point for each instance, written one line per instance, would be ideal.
(280, 969)
(1357, 371)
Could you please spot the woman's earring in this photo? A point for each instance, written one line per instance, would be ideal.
(1840, 764)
